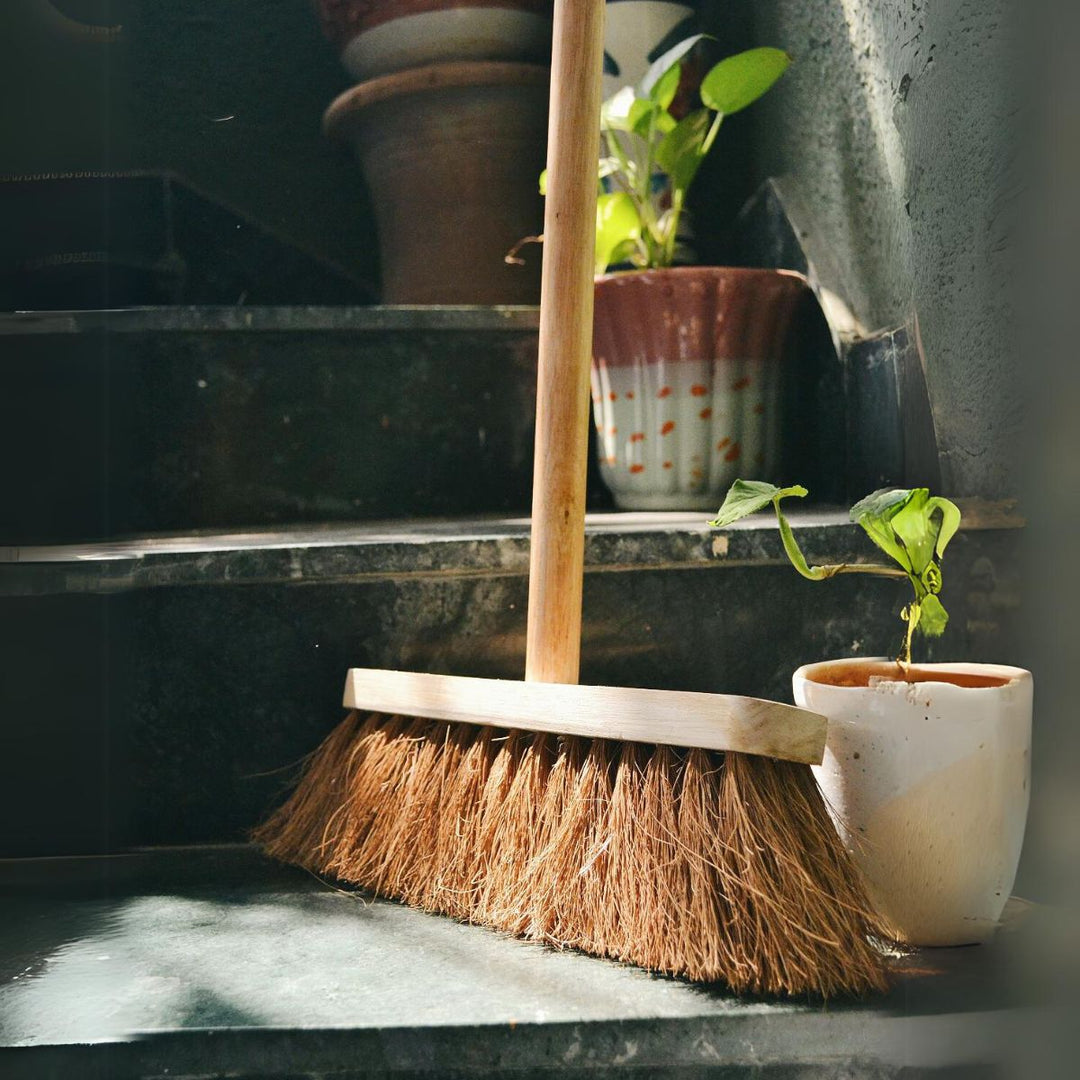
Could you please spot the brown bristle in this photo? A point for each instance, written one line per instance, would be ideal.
(715, 867)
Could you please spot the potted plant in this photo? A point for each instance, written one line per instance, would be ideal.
(926, 766)
(686, 360)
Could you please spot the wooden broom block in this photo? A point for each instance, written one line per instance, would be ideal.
(669, 717)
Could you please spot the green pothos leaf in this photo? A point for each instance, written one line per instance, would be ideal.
(615, 111)
(618, 226)
(741, 79)
(747, 497)
(664, 89)
(682, 150)
(663, 66)
(934, 617)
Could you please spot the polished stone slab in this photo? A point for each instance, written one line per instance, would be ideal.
(489, 545)
(290, 318)
(339, 552)
(207, 961)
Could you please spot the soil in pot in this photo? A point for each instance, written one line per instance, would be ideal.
(861, 673)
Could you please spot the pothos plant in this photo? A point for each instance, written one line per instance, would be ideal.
(912, 527)
(642, 143)
(649, 156)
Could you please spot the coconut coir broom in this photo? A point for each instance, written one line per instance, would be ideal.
(678, 831)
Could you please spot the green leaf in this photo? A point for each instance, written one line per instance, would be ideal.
(934, 617)
(629, 251)
(874, 514)
(641, 116)
(741, 79)
(615, 112)
(882, 503)
(609, 166)
(663, 65)
(543, 182)
(914, 528)
(617, 224)
(665, 88)
(682, 150)
(950, 521)
(747, 497)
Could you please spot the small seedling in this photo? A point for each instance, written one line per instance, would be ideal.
(909, 525)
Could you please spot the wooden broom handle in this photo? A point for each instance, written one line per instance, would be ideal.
(557, 553)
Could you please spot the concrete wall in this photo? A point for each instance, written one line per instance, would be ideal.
(895, 127)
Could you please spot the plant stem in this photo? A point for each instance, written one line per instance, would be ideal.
(864, 568)
(821, 573)
(672, 236)
(904, 659)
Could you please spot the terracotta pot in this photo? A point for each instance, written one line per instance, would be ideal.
(451, 154)
(928, 783)
(686, 380)
(377, 37)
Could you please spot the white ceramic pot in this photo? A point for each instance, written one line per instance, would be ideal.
(637, 32)
(928, 783)
(378, 37)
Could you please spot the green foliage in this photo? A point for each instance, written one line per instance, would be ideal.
(912, 527)
(641, 140)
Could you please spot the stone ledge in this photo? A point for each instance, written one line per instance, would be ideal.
(490, 547)
(295, 319)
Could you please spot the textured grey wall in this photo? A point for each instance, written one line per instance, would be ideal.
(896, 129)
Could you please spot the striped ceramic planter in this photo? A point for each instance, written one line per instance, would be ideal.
(686, 381)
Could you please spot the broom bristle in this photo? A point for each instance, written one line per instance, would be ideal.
(716, 867)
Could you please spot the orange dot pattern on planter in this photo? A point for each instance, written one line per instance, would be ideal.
(688, 425)
(703, 350)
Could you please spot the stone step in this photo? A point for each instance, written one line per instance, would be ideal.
(159, 419)
(158, 690)
(215, 962)
(162, 419)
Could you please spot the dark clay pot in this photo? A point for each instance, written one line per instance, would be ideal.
(451, 154)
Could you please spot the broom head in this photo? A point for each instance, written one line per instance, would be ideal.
(680, 832)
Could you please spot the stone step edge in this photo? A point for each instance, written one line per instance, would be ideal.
(382, 551)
